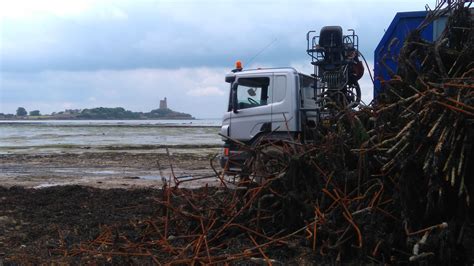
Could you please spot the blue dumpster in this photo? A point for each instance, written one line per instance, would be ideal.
(387, 51)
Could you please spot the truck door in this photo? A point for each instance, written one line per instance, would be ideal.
(284, 103)
(253, 110)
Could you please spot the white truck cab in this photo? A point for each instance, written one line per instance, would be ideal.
(280, 103)
(267, 101)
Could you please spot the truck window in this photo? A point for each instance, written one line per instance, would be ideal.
(279, 88)
(253, 92)
(307, 91)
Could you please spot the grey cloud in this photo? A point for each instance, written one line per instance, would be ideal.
(174, 34)
(132, 53)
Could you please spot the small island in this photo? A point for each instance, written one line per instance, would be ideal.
(99, 113)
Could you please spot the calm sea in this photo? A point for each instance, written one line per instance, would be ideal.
(22, 136)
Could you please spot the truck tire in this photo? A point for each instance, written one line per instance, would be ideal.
(269, 162)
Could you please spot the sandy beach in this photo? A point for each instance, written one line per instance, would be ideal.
(106, 153)
(118, 169)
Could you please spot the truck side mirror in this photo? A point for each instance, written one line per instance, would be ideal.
(251, 92)
(235, 106)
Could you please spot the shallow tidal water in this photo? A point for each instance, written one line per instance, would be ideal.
(52, 136)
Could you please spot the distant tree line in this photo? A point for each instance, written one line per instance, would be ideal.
(168, 113)
(35, 113)
(21, 111)
(101, 113)
(108, 113)
(121, 113)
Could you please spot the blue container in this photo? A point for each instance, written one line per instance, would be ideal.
(387, 51)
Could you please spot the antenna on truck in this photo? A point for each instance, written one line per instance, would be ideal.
(261, 51)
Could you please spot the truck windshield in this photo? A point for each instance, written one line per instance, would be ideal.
(252, 92)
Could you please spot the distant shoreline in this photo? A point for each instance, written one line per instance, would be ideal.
(98, 113)
(98, 119)
(119, 123)
(45, 124)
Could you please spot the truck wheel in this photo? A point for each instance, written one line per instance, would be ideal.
(269, 162)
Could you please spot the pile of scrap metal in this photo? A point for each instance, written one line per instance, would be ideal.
(389, 183)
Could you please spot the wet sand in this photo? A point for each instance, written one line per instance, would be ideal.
(106, 169)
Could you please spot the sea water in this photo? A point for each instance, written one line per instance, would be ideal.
(25, 136)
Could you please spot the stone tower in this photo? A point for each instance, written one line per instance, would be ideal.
(163, 104)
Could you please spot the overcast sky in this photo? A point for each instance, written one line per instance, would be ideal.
(59, 54)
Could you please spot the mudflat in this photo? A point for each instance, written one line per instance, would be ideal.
(107, 169)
